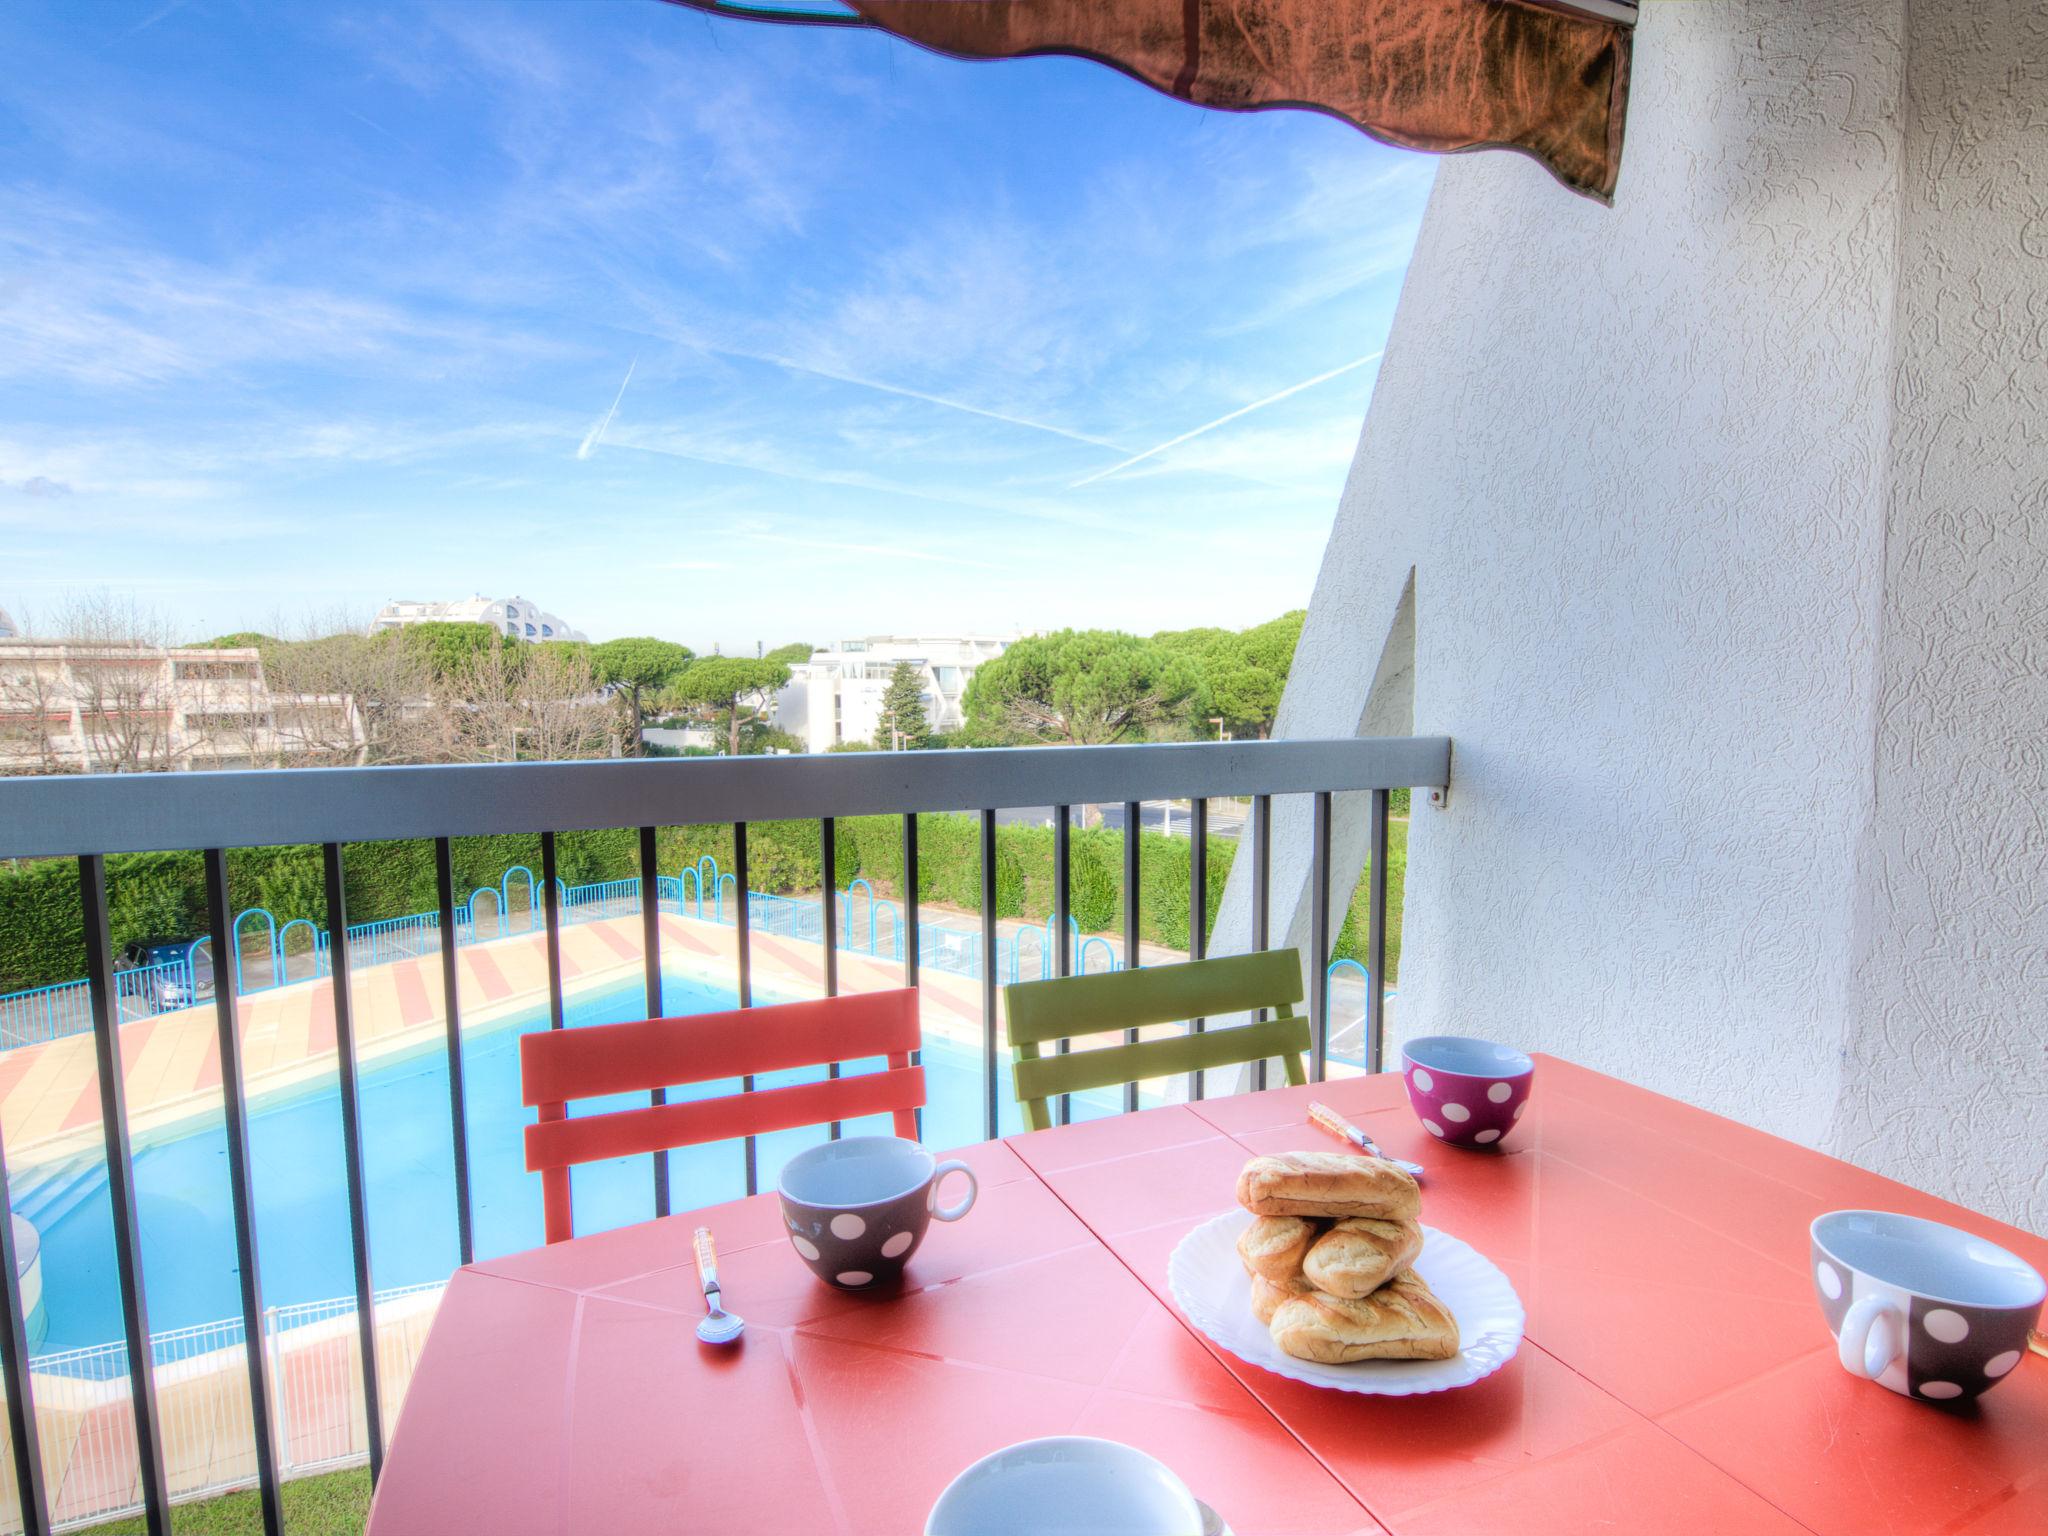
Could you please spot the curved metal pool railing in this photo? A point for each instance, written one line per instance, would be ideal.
(1088, 946)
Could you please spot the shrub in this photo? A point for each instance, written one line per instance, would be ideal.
(158, 895)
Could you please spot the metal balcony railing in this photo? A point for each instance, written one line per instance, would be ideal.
(89, 817)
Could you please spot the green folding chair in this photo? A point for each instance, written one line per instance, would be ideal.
(1073, 1007)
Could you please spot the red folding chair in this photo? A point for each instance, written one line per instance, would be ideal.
(557, 1066)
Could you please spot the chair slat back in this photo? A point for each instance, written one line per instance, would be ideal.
(558, 1067)
(690, 1123)
(599, 1059)
(1075, 1007)
(1072, 1007)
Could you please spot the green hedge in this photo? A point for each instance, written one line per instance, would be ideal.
(152, 895)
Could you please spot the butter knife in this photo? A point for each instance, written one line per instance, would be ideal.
(1326, 1118)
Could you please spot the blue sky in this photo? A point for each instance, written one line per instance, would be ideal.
(307, 307)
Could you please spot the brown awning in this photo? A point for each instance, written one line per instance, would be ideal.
(1547, 77)
(1440, 75)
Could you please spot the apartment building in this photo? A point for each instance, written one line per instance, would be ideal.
(518, 617)
(68, 707)
(836, 696)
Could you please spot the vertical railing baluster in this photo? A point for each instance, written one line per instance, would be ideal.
(743, 941)
(551, 907)
(650, 952)
(1319, 944)
(1376, 938)
(1133, 813)
(828, 913)
(1262, 896)
(1198, 907)
(242, 1194)
(910, 933)
(23, 1435)
(99, 962)
(352, 1151)
(1063, 949)
(988, 968)
(458, 1106)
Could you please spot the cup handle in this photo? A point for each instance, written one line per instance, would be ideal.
(955, 1212)
(1854, 1344)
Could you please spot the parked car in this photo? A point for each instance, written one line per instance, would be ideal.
(168, 982)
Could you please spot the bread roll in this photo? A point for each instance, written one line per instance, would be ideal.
(1268, 1294)
(1272, 1246)
(1399, 1321)
(1359, 1254)
(1327, 1184)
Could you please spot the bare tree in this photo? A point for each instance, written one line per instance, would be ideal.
(567, 711)
(35, 708)
(121, 681)
(517, 702)
(346, 697)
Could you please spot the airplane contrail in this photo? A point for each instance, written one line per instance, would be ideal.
(1210, 426)
(596, 434)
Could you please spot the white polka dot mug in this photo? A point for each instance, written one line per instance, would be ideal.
(1932, 1312)
(857, 1209)
(1466, 1092)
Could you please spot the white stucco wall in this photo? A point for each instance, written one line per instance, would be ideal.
(1947, 1049)
(1746, 806)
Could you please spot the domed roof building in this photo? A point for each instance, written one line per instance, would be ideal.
(7, 629)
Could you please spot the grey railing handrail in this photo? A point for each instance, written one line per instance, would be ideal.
(134, 812)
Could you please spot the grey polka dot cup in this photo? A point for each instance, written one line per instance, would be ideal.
(1466, 1092)
(1932, 1312)
(857, 1209)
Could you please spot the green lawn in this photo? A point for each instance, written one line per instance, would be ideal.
(335, 1504)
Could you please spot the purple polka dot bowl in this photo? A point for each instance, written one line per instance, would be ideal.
(857, 1208)
(1468, 1093)
(1932, 1312)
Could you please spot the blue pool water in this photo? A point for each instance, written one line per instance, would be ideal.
(188, 1246)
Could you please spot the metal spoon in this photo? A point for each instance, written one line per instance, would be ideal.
(718, 1325)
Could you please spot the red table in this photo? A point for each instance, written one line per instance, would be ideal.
(1676, 1376)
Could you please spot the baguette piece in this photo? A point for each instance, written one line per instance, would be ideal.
(1327, 1184)
(1272, 1246)
(1268, 1294)
(1400, 1321)
(1359, 1255)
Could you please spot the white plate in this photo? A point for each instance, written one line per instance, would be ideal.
(1210, 1286)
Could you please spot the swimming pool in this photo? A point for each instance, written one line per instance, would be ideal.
(188, 1247)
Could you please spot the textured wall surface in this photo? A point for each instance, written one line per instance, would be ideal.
(1747, 806)
(1948, 1049)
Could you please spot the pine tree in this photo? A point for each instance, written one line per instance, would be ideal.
(903, 726)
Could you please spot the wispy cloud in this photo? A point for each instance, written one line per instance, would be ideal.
(595, 435)
(152, 19)
(1210, 426)
(81, 302)
(904, 550)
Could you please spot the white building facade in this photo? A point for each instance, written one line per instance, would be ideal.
(518, 617)
(836, 696)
